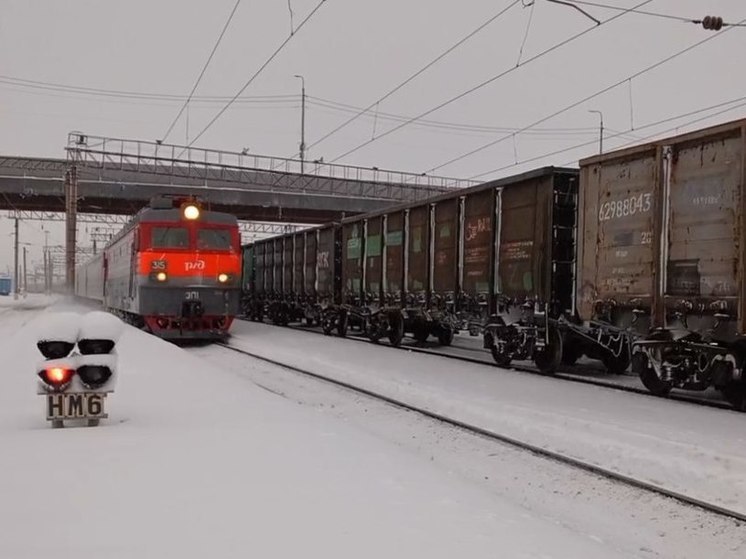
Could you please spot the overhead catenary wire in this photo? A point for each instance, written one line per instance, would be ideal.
(419, 72)
(485, 83)
(584, 99)
(622, 134)
(202, 72)
(257, 73)
(651, 14)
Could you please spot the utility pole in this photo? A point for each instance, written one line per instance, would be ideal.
(302, 123)
(601, 134)
(15, 262)
(25, 272)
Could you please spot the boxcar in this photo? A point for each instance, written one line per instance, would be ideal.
(664, 231)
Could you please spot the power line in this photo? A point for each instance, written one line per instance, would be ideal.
(622, 134)
(418, 72)
(202, 73)
(259, 71)
(652, 14)
(583, 100)
(486, 82)
(137, 95)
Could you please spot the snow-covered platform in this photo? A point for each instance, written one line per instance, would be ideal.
(691, 449)
(196, 461)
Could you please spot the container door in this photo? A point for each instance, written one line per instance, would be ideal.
(309, 278)
(418, 248)
(352, 270)
(324, 264)
(445, 250)
(298, 263)
(618, 215)
(373, 256)
(479, 212)
(394, 253)
(703, 187)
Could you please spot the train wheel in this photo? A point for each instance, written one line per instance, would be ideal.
(445, 335)
(501, 358)
(641, 367)
(396, 329)
(550, 357)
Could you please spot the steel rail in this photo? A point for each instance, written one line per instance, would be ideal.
(675, 396)
(505, 439)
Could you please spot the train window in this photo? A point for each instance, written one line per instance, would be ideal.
(170, 237)
(213, 239)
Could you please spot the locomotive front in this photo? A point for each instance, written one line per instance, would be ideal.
(189, 271)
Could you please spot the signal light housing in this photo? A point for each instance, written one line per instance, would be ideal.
(55, 349)
(90, 346)
(56, 378)
(94, 376)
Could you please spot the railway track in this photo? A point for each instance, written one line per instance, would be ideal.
(677, 396)
(507, 440)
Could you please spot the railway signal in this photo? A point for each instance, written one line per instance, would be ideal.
(75, 383)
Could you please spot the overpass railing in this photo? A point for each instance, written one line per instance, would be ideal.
(275, 173)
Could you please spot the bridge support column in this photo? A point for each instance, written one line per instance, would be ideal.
(71, 225)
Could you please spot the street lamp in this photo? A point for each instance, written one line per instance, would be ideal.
(601, 133)
(302, 122)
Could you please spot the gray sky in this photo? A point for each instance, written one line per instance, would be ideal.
(352, 52)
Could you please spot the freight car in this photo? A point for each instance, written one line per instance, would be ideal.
(663, 257)
(498, 258)
(174, 270)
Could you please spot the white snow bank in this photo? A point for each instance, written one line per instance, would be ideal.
(197, 462)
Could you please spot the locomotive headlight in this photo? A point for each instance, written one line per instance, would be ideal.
(223, 278)
(191, 212)
(161, 276)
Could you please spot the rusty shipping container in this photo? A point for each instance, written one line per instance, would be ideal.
(664, 234)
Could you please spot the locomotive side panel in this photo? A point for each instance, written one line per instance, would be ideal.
(445, 231)
(617, 220)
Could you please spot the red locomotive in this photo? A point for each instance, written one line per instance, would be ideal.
(175, 270)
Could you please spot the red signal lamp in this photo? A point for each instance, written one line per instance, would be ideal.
(56, 378)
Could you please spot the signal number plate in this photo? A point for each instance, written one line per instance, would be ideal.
(86, 405)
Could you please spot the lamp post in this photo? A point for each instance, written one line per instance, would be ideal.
(302, 122)
(601, 133)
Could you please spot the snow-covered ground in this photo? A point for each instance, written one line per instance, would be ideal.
(691, 449)
(196, 460)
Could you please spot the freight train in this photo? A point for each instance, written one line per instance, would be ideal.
(175, 270)
(637, 258)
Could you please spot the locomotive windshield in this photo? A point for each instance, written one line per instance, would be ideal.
(169, 237)
(213, 239)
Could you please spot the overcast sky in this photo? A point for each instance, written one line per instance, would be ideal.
(352, 53)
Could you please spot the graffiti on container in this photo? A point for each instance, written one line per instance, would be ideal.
(323, 259)
(617, 209)
(517, 250)
(476, 226)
